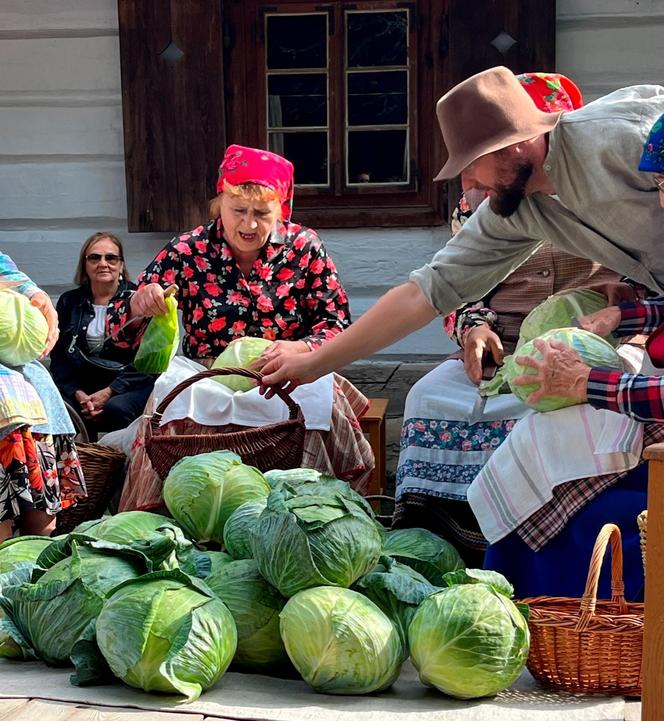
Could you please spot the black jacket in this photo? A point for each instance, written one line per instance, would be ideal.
(69, 369)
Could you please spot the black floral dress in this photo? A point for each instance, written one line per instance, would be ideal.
(293, 291)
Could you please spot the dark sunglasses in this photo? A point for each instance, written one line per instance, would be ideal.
(110, 258)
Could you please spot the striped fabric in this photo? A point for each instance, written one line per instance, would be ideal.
(570, 497)
(544, 450)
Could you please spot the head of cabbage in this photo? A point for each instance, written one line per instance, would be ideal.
(239, 527)
(557, 311)
(594, 351)
(468, 641)
(12, 642)
(23, 329)
(166, 632)
(52, 612)
(255, 607)
(240, 353)
(397, 590)
(21, 549)
(423, 551)
(202, 491)
(341, 642)
(314, 535)
(157, 538)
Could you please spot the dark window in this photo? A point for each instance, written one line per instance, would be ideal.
(346, 90)
(336, 88)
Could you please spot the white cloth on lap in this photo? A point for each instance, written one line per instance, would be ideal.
(212, 404)
(544, 450)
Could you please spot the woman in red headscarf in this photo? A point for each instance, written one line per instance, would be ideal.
(251, 271)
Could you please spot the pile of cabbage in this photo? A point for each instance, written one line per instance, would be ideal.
(554, 319)
(282, 573)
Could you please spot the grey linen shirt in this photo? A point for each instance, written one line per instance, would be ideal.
(606, 209)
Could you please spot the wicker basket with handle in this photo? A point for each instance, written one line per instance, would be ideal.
(586, 645)
(278, 445)
(104, 472)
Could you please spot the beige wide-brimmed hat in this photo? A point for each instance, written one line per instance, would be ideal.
(484, 113)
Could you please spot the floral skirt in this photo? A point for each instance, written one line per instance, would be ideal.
(38, 472)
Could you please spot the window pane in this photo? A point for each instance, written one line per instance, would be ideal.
(297, 100)
(308, 153)
(377, 38)
(378, 156)
(296, 41)
(378, 98)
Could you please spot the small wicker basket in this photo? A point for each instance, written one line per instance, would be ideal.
(278, 445)
(642, 522)
(104, 472)
(585, 645)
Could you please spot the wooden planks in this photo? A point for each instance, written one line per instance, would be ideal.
(36, 710)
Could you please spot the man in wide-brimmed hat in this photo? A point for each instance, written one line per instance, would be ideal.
(570, 178)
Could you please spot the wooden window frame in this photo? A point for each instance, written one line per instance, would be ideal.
(420, 202)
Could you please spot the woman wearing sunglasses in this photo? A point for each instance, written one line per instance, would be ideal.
(94, 376)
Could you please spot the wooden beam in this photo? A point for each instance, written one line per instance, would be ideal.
(653, 632)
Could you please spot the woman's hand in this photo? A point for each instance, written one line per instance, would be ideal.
(92, 405)
(148, 301)
(280, 349)
(560, 372)
(602, 322)
(290, 370)
(479, 341)
(43, 303)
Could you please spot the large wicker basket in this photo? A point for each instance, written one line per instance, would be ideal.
(278, 445)
(104, 472)
(585, 645)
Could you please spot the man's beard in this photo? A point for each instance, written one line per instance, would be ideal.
(509, 197)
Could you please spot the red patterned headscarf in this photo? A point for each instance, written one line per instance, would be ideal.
(551, 92)
(260, 167)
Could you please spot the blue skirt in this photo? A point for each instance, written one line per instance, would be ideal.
(560, 568)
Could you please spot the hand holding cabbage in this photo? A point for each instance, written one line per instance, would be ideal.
(561, 372)
(603, 322)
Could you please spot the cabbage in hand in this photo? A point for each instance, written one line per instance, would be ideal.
(23, 329)
(594, 351)
(240, 353)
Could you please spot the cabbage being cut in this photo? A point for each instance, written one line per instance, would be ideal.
(240, 353)
(557, 311)
(594, 351)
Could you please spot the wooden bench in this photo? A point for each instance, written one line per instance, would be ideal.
(373, 424)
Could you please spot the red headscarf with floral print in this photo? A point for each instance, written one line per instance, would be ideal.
(261, 167)
(551, 92)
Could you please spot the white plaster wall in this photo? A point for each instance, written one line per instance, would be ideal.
(61, 151)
